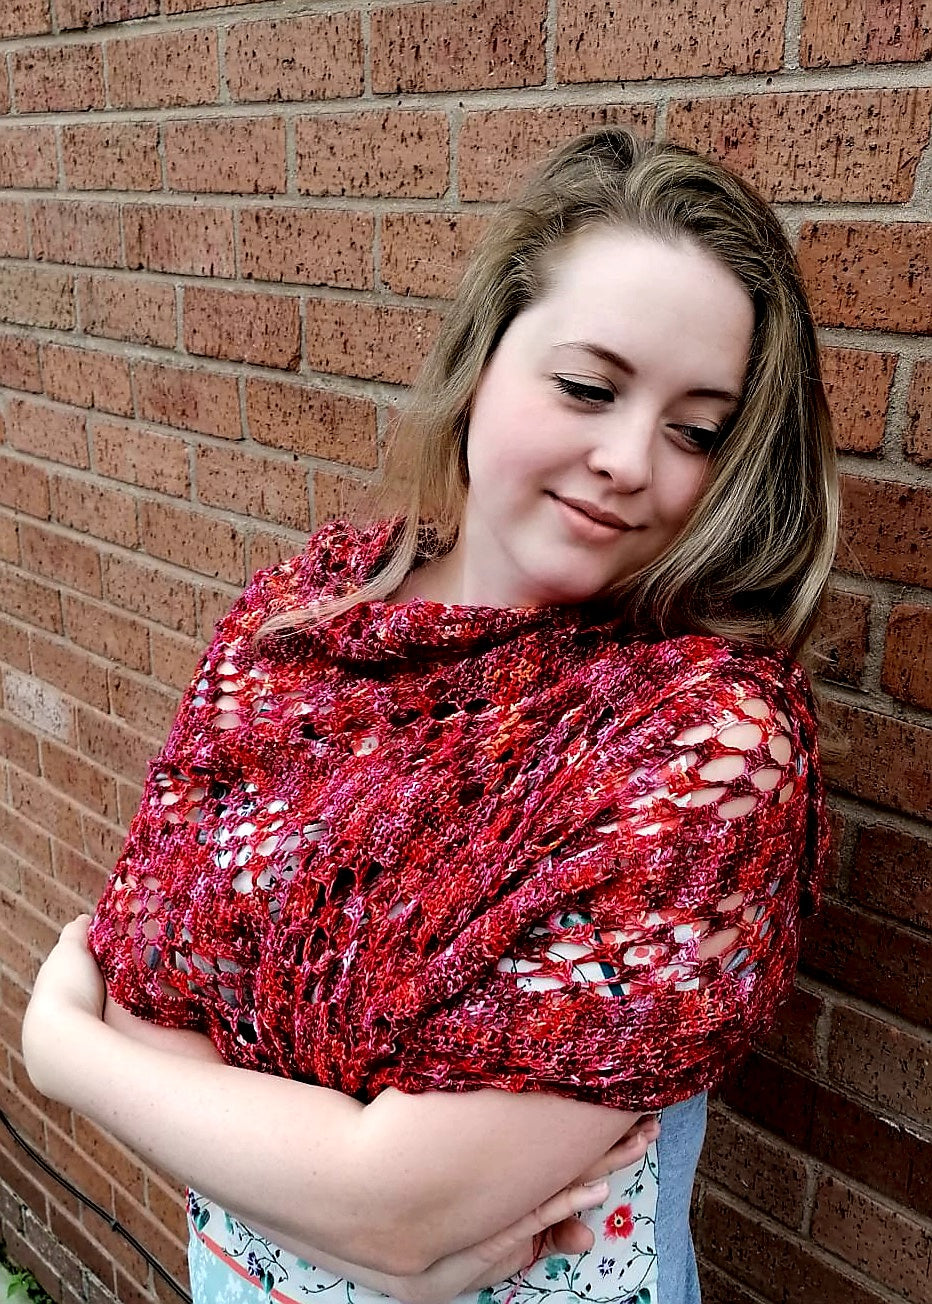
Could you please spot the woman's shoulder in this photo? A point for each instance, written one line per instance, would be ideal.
(335, 558)
(710, 664)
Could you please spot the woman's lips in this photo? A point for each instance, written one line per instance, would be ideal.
(581, 522)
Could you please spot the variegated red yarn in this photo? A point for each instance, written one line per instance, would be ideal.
(447, 847)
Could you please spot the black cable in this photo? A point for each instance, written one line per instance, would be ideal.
(113, 1223)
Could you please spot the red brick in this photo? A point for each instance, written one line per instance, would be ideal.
(19, 362)
(872, 958)
(907, 670)
(888, 761)
(213, 603)
(28, 158)
(793, 1035)
(342, 496)
(76, 777)
(870, 275)
(43, 708)
(242, 327)
(184, 238)
(87, 378)
(782, 1266)
(754, 1167)
(83, 1244)
(98, 13)
(83, 233)
(312, 57)
(318, 422)
(426, 253)
(719, 1288)
(149, 591)
(174, 659)
(918, 439)
(36, 801)
(25, 18)
(86, 506)
(227, 156)
(852, 1138)
(112, 156)
(892, 873)
(168, 70)
(827, 145)
(193, 540)
(480, 45)
(684, 38)
(189, 6)
(194, 400)
(19, 746)
(102, 841)
(61, 557)
(887, 530)
(36, 296)
(123, 308)
(24, 486)
(269, 547)
(141, 704)
(271, 489)
(42, 430)
(14, 229)
(58, 78)
(140, 456)
(377, 154)
(307, 246)
(75, 872)
(884, 1243)
(33, 845)
(69, 669)
(27, 1257)
(857, 386)
(865, 31)
(110, 744)
(106, 632)
(499, 148)
(37, 604)
(376, 341)
(5, 92)
(9, 540)
(883, 1063)
(838, 642)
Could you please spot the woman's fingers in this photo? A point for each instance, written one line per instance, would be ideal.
(567, 1237)
(628, 1150)
(571, 1200)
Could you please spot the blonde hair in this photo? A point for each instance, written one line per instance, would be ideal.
(754, 556)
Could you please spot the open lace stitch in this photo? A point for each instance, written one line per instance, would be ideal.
(442, 847)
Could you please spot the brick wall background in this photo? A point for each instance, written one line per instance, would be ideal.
(226, 235)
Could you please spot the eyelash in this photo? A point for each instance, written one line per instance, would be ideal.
(595, 395)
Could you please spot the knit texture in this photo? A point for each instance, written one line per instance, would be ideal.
(433, 846)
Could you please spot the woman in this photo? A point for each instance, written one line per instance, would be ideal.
(486, 829)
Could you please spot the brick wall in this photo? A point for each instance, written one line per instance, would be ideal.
(226, 235)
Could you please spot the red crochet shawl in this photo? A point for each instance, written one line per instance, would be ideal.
(448, 847)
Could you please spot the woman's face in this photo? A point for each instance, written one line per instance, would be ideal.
(602, 399)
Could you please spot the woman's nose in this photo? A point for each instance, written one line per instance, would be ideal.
(624, 451)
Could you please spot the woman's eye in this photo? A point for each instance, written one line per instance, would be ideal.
(698, 437)
(591, 394)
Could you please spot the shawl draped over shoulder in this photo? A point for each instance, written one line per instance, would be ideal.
(444, 847)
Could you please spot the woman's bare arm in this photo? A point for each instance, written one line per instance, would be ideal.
(395, 1185)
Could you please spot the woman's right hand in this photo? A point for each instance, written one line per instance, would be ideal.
(551, 1227)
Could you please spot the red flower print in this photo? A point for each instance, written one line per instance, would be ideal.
(619, 1222)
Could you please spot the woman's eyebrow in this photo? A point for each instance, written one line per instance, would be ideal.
(616, 360)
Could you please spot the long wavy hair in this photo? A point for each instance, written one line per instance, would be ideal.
(753, 558)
